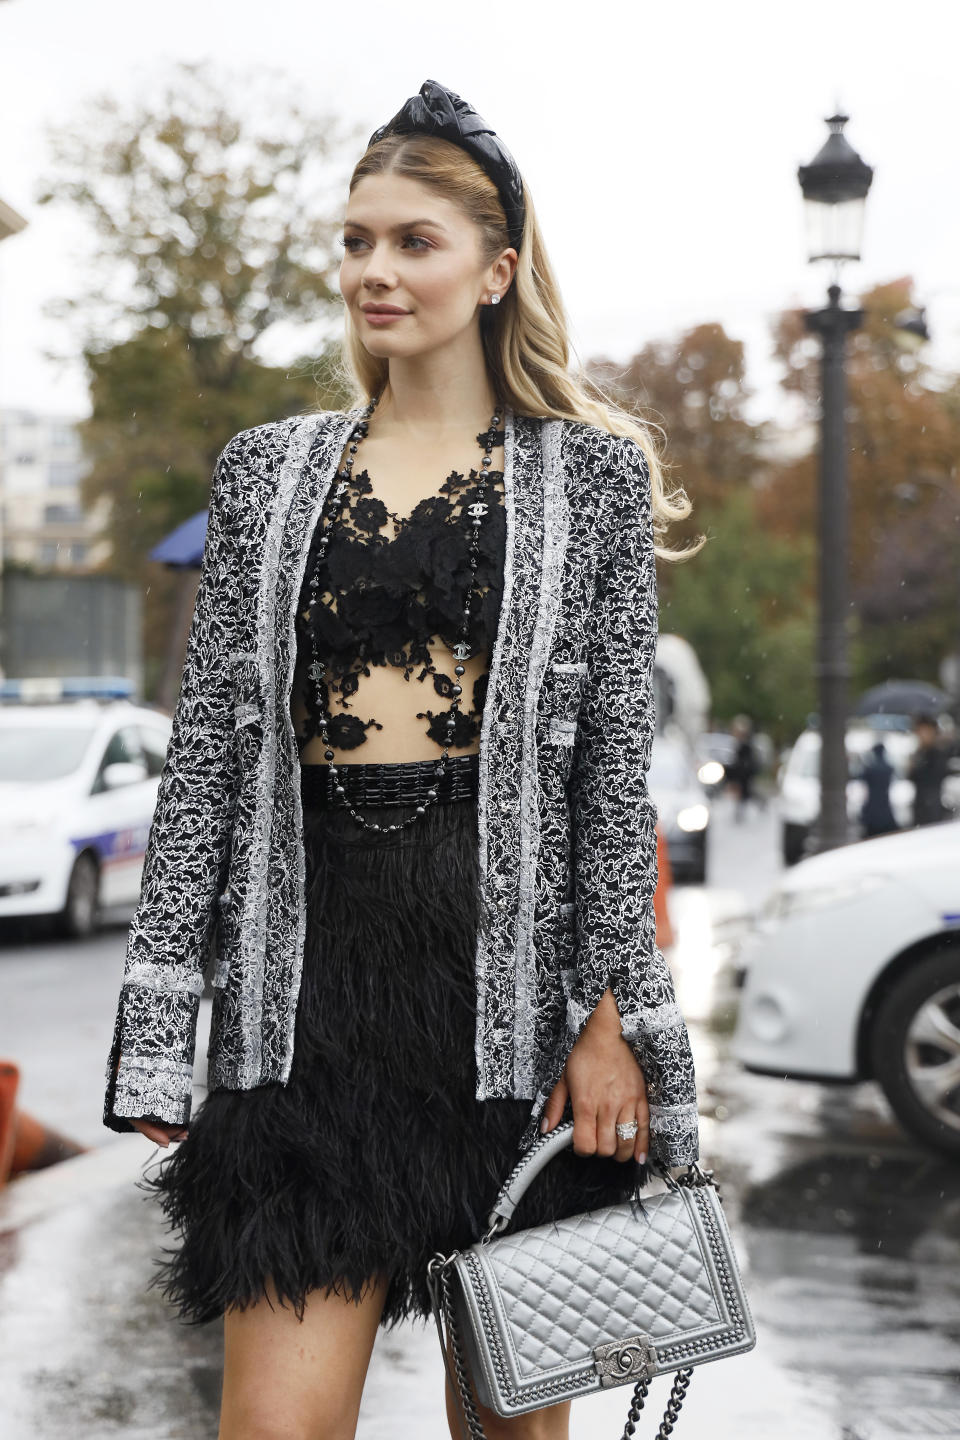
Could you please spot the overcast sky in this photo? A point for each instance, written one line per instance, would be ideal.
(660, 143)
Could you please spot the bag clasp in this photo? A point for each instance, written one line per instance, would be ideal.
(619, 1360)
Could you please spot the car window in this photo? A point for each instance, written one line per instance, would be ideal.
(154, 747)
(31, 754)
(124, 748)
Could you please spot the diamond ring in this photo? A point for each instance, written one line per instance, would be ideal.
(628, 1131)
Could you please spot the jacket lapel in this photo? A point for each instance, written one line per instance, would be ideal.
(318, 453)
(508, 809)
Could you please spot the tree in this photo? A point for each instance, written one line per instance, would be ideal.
(743, 603)
(903, 430)
(210, 231)
(695, 388)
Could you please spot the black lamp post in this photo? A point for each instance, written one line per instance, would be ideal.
(834, 186)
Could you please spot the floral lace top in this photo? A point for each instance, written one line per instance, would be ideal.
(398, 601)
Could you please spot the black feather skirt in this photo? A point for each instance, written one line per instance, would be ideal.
(376, 1153)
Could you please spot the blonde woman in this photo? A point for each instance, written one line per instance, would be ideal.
(405, 806)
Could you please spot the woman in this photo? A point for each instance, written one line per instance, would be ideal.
(407, 776)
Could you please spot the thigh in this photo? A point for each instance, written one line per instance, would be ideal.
(288, 1378)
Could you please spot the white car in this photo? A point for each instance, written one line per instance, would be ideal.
(683, 807)
(798, 801)
(852, 973)
(78, 788)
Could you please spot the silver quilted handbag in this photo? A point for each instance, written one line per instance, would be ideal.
(572, 1307)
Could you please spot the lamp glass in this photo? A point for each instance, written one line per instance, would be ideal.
(834, 231)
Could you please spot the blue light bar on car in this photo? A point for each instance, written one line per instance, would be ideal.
(38, 689)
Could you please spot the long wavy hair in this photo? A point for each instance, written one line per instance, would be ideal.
(525, 337)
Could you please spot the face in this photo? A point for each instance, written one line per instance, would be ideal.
(408, 247)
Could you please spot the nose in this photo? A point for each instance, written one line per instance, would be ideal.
(376, 269)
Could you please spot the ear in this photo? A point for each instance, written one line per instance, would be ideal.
(501, 272)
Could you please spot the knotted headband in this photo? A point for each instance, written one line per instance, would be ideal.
(438, 111)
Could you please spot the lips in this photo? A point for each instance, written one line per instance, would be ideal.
(383, 310)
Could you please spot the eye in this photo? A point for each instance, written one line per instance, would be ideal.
(349, 242)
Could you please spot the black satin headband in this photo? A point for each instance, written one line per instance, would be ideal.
(438, 111)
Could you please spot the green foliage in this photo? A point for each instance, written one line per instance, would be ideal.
(743, 604)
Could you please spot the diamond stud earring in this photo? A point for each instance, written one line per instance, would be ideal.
(494, 299)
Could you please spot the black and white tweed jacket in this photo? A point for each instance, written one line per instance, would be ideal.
(566, 827)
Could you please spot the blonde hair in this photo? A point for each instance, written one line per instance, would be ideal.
(525, 337)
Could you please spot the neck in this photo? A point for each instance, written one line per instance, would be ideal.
(436, 393)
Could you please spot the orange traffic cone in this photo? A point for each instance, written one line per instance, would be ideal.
(35, 1146)
(26, 1144)
(9, 1080)
(665, 935)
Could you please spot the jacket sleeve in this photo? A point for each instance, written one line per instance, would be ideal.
(614, 819)
(168, 942)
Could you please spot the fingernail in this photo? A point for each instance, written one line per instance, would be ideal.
(641, 1157)
(543, 1125)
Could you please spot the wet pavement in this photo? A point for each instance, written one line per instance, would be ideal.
(848, 1233)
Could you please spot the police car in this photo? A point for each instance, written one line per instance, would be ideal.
(80, 765)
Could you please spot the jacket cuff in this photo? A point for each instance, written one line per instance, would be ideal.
(142, 1081)
(147, 1088)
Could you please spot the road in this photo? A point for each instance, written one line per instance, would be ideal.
(848, 1232)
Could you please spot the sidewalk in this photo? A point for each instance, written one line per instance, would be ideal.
(86, 1352)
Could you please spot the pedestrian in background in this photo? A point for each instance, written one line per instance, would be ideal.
(927, 770)
(745, 764)
(876, 815)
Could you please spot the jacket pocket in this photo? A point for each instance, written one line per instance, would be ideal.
(560, 698)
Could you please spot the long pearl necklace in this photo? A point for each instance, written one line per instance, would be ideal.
(461, 650)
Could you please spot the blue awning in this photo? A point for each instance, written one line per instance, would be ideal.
(183, 547)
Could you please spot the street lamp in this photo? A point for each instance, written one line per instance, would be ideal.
(834, 186)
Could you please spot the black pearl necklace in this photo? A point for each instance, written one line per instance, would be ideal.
(461, 650)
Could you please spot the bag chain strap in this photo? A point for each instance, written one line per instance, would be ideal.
(438, 1274)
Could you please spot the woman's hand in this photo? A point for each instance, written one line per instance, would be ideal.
(159, 1131)
(606, 1086)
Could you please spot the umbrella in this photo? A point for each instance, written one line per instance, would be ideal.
(183, 547)
(902, 697)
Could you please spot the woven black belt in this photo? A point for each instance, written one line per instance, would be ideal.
(403, 783)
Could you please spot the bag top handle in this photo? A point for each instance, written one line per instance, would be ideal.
(528, 1168)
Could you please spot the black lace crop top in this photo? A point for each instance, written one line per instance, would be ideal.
(397, 600)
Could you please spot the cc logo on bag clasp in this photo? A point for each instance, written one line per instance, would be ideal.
(620, 1360)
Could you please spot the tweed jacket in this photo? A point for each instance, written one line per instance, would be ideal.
(566, 827)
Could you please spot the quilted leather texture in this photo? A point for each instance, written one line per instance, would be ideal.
(615, 1276)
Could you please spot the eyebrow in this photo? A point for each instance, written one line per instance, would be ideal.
(401, 225)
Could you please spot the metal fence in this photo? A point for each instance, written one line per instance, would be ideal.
(70, 625)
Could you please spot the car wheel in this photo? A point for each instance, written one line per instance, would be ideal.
(794, 840)
(81, 910)
(915, 1049)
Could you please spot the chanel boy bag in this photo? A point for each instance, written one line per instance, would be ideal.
(573, 1307)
